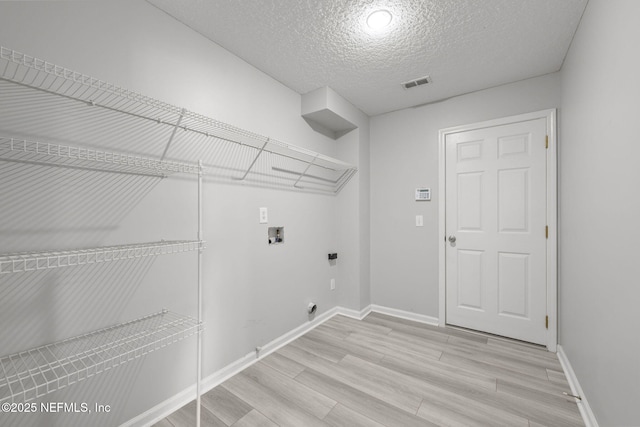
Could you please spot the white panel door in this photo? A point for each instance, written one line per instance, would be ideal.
(495, 225)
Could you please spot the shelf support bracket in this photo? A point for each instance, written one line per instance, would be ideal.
(173, 134)
(347, 176)
(253, 162)
(305, 171)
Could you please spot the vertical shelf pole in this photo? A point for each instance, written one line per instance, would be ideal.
(199, 350)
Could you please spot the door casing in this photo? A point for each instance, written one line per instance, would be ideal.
(552, 215)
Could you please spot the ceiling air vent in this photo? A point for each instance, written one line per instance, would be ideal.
(417, 82)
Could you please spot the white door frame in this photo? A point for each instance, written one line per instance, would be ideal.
(552, 215)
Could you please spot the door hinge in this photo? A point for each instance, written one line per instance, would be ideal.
(546, 141)
(546, 231)
(546, 322)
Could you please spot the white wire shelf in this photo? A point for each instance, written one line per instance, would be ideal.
(23, 262)
(285, 164)
(34, 373)
(21, 150)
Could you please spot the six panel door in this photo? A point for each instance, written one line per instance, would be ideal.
(495, 222)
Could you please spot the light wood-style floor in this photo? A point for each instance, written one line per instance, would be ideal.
(385, 371)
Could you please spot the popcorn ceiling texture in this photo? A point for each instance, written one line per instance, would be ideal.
(464, 45)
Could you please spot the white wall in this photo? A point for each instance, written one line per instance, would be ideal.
(253, 292)
(599, 210)
(404, 156)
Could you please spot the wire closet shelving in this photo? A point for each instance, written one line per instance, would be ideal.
(23, 261)
(229, 153)
(38, 152)
(34, 373)
(223, 152)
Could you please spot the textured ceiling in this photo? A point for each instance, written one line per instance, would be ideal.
(464, 45)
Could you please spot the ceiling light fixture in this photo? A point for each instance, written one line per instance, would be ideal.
(379, 19)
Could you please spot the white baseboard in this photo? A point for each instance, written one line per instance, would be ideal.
(429, 320)
(359, 315)
(163, 409)
(176, 402)
(585, 410)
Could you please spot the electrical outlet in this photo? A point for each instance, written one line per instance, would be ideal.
(333, 284)
(263, 216)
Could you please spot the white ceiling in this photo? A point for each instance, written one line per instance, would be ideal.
(464, 45)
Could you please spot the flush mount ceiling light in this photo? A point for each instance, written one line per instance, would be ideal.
(379, 19)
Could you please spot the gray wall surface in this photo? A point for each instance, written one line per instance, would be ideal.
(599, 210)
(404, 156)
(253, 293)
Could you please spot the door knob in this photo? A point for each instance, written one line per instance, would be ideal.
(452, 239)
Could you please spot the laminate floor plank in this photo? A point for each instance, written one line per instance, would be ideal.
(330, 353)
(376, 318)
(361, 402)
(438, 373)
(254, 419)
(413, 343)
(535, 424)
(523, 347)
(283, 364)
(348, 324)
(381, 390)
(391, 345)
(326, 339)
(163, 423)
(514, 379)
(308, 399)
(275, 407)
(307, 359)
(479, 367)
(464, 416)
(418, 343)
(558, 378)
(448, 395)
(388, 372)
(538, 411)
(408, 327)
(555, 399)
(334, 330)
(225, 405)
(456, 354)
(341, 416)
(507, 355)
(186, 417)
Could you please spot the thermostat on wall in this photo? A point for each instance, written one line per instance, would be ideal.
(423, 194)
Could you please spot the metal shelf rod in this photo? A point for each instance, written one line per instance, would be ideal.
(58, 154)
(304, 172)
(173, 134)
(254, 161)
(24, 262)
